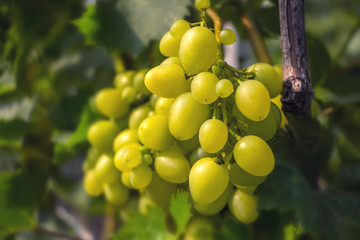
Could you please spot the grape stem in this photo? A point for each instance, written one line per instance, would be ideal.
(224, 113)
(232, 133)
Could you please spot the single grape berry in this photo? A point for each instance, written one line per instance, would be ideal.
(224, 88)
(178, 28)
(202, 4)
(227, 36)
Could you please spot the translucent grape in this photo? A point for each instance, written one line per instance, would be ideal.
(125, 137)
(116, 193)
(202, 4)
(172, 166)
(123, 80)
(127, 158)
(137, 116)
(239, 177)
(227, 36)
(92, 185)
(243, 206)
(278, 103)
(163, 105)
(129, 94)
(254, 155)
(213, 135)
(178, 28)
(140, 176)
(109, 101)
(197, 154)
(169, 46)
(167, 80)
(190, 144)
(101, 135)
(139, 83)
(125, 179)
(203, 87)
(186, 116)
(105, 169)
(253, 100)
(174, 60)
(224, 88)
(197, 50)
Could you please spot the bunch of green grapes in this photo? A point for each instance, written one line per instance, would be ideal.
(204, 129)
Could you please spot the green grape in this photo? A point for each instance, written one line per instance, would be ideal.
(224, 88)
(92, 185)
(207, 180)
(277, 114)
(246, 189)
(166, 80)
(174, 60)
(197, 50)
(186, 116)
(137, 116)
(125, 137)
(200, 228)
(140, 176)
(147, 159)
(139, 83)
(239, 177)
(123, 80)
(129, 94)
(116, 193)
(109, 102)
(197, 154)
(278, 103)
(128, 157)
(178, 28)
(172, 166)
(163, 105)
(190, 144)
(101, 135)
(215, 206)
(160, 191)
(253, 100)
(254, 156)
(105, 169)
(154, 133)
(278, 70)
(265, 129)
(216, 70)
(125, 179)
(202, 4)
(213, 135)
(203, 87)
(144, 202)
(268, 76)
(243, 206)
(92, 156)
(169, 46)
(227, 36)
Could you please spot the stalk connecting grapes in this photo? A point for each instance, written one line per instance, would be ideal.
(203, 127)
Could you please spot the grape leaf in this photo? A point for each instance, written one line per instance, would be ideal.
(145, 227)
(7, 79)
(180, 210)
(11, 131)
(129, 26)
(19, 195)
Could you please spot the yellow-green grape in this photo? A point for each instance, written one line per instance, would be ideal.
(172, 166)
(144, 202)
(213, 135)
(278, 103)
(197, 50)
(125, 179)
(109, 102)
(202, 4)
(197, 154)
(125, 137)
(253, 100)
(127, 158)
(215, 206)
(92, 185)
(276, 112)
(265, 129)
(278, 70)
(116, 193)
(239, 177)
(105, 169)
(118, 160)
(137, 116)
(160, 191)
(163, 105)
(268, 76)
(169, 46)
(254, 155)
(224, 88)
(101, 135)
(129, 94)
(174, 60)
(92, 156)
(190, 144)
(140, 176)
(139, 83)
(207, 180)
(246, 189)
(123, 80)
(186, 116)
(203, 87)
(243, 206)
(227, 36)
(178, 28)
(199, 228)
(154, 133)
(167, 80)
(147, 159)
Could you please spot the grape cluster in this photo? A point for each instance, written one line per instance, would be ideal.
(203, 129)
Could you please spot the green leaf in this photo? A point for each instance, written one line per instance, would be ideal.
(7, 79)
(19, 195)
(129, 26)
(326, 95)
(180, 210)
(230, 228)
(145, 227)
(10, 159)
(21, 109)
(11, 131)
